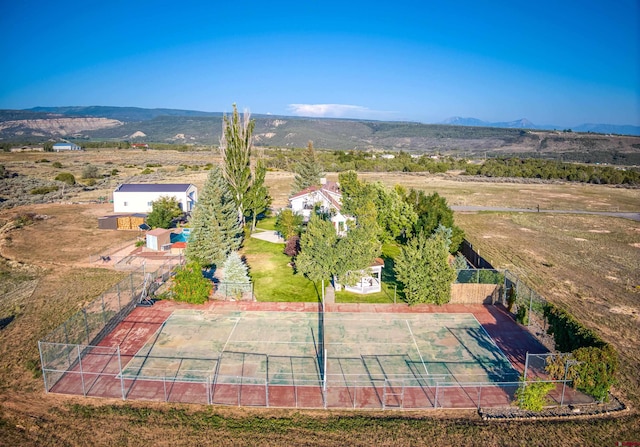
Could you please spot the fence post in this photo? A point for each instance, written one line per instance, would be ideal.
(46, 387)
(504, 288)
(104, 312)
(86, 325)
(526, 367)
(530, 308)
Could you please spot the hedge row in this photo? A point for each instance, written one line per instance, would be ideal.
(597, 361)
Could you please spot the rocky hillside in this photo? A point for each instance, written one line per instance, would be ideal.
(54, 127)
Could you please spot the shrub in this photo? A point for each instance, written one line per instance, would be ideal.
(66, 177)
(114, 172)
(24, 219)
(595, 371)
(90, 182)
(292, 248)
(532, 396)
(146, 171)
(43, 190)
(512, 296)
(568, 333)
(90, 171)
(522, 316)
(43, 160)
(57, 164)
(597, 361)
(190, 286)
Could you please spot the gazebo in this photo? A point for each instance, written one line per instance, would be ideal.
(370, 280)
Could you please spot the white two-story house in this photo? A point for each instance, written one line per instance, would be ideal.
(326, 197)
(138, 197)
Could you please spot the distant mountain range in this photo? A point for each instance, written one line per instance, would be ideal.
(524, 123)
(465, 136)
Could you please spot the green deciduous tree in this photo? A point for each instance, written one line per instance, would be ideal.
(318, 256)
(215, 228)
(189, 285)
(423, 268)
(288, 223)
(163, 211)
(308, 170)
(432, 211)
(396, 217)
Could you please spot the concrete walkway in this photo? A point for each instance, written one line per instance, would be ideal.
(269, 236)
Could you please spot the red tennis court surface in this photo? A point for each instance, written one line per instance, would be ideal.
(95, 371)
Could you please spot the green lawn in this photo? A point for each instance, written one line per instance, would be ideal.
(268, 223)
(273, 279)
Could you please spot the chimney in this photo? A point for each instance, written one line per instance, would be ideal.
(323, 181)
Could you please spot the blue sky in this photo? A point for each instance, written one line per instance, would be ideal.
(553, 62)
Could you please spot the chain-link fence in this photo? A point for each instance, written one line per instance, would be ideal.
(62, 349)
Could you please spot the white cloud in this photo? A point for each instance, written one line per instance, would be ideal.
(335, 111)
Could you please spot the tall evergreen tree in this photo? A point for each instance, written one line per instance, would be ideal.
(236, 144)
(236, 277)
(257, 198)
(308, 170)
(215, 228)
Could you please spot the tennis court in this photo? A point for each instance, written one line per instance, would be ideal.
(317, 359)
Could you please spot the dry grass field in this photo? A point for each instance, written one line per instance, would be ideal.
(587, 263)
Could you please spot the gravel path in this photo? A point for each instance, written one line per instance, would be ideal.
(632, 216)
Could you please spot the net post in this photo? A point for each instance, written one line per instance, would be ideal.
(84, 391)
(526, 367)
(124, 397)
(435, 398)
(324, 372)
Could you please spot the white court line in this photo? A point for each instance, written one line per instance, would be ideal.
(229, 337)
(417, 349)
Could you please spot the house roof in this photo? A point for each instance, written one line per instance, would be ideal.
(153, 187)
(329, 187)
(158, 232)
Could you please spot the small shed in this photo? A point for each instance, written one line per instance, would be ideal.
(159, 239)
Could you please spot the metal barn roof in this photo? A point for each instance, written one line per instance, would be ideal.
(153, 187)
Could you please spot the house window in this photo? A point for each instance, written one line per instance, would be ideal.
(126, 203)
(149, 203)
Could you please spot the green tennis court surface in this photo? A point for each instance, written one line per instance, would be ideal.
(286, 348)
